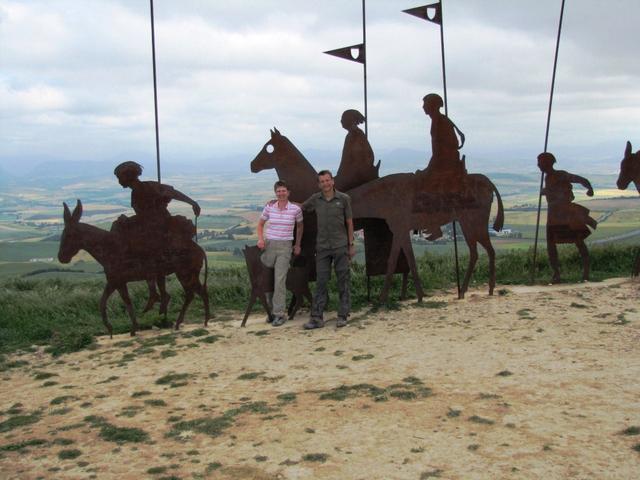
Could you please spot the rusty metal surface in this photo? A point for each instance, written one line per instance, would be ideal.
(567, 222)
(630, 172)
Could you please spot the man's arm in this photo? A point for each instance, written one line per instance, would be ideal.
(297, 246)
(260, 230)
(178, 195)
(582, 181)
(352, 245)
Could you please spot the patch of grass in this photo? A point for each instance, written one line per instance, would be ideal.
(213, 375)
(431, 474)
(402, 392)
(367, 356)
(4, 366)
(504, 373)
(210, 339)
(453, 413)
(168, 339)
(315, 457)
(431, 304)
(155, 402)
(63, 442)
(156, 470)
(69, 454)
(473, 447)
(636, 447)
(287, 397)
(20, 446)
(198, 332)
(578, 305)
(19, 421)
(112, 433)
(49, 383)
(631, 431)
(173, 379)
(168, 353)
(44, 375)
(212, 467)
(70, 341)
(525, 314)
(480, 420)
(260, 458)
(63, 399)
(61, 411)
(142, 393)
(621, 320)
(250, 375)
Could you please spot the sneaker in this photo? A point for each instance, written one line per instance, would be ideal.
(277, 321)
(270, 318)
(341, 322)
(314, 322)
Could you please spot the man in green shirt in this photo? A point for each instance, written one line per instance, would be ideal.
(334, 244)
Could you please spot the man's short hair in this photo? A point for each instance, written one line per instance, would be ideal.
(280, 183)
(324, 172)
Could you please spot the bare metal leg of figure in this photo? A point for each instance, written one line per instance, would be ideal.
(584, 254)
(108, 290)
(124, 294)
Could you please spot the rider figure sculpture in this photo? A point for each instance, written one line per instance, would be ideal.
(152, 230)
(567, 222)
(445, 172)
(356, 166)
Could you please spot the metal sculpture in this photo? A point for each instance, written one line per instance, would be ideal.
(391, 199)
(630, 172)
(567, 222)
(261, 279)
(122, 266)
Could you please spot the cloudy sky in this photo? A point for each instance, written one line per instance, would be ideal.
(76, 78)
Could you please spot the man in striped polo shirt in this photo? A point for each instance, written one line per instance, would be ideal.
(281, 216)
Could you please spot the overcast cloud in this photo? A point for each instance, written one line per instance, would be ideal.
(76, 78)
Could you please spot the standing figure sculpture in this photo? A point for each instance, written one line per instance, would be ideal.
(567, 222)
(356, 164)
(442, 182)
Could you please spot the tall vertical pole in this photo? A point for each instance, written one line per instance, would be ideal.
(546, 141)
(364, 43)
(446, 112)
(155, 90)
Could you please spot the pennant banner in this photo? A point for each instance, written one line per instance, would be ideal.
(355, 53)
(431, 13)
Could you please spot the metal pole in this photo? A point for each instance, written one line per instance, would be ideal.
(364, 64)
(155, 90)
(546, 142)
(446, 112)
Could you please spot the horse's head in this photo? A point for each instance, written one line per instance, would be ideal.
(271, 152)
(70, 239)
(629, 169)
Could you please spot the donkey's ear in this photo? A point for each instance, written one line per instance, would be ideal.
(77, 212)
(627, 151)
(276, 130)
(272, 133)
(67, 214)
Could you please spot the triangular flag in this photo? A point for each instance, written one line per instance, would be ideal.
(355, 53)
(431, 13)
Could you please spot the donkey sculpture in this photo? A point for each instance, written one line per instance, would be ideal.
(630, 172)
(391, 199)
(261, 278)
(121, 268)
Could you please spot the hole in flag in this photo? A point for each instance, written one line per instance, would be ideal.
(432, 12)
(269, 148)
(355, 53)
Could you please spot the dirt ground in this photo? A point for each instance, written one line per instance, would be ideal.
(534, 383)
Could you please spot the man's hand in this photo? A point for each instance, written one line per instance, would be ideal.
(261, 244)
(352, 251)
(590, 192)
(196, 209)
(296, 250)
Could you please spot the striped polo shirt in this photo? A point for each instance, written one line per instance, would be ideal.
(281, 222)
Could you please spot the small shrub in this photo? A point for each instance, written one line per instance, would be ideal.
(69, 454)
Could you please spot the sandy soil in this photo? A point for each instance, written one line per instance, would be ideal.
(536, 383)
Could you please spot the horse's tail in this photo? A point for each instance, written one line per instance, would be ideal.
(206, 268)
(499, 221)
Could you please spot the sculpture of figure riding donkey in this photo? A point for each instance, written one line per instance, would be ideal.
(630, 172)
(391, 199)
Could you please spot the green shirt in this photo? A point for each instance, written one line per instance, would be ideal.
(331, 219)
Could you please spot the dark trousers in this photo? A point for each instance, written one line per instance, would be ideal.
(340, 259)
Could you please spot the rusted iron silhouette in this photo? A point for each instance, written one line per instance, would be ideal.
(630, 172)
(567, 222)
(357, 168)
(122, 266)
(391, 199)
(261, 278)
(291, 166)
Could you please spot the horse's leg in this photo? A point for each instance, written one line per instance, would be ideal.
(491, 253)
(153, 297)
(584, 253)
(473, 258)
(552, 251)
(190, 287)
(411, 260)
(124, 294)
(164, 296)
(405, 282)
(108, 290)
(394, 252)
(252, 300)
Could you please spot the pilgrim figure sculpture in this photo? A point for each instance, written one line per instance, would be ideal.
(567, 222)
(356, 164)
(440, 184)
(152, 231)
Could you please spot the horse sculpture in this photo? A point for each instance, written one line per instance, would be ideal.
(121, 268)
(391, 199)
(630, 172)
